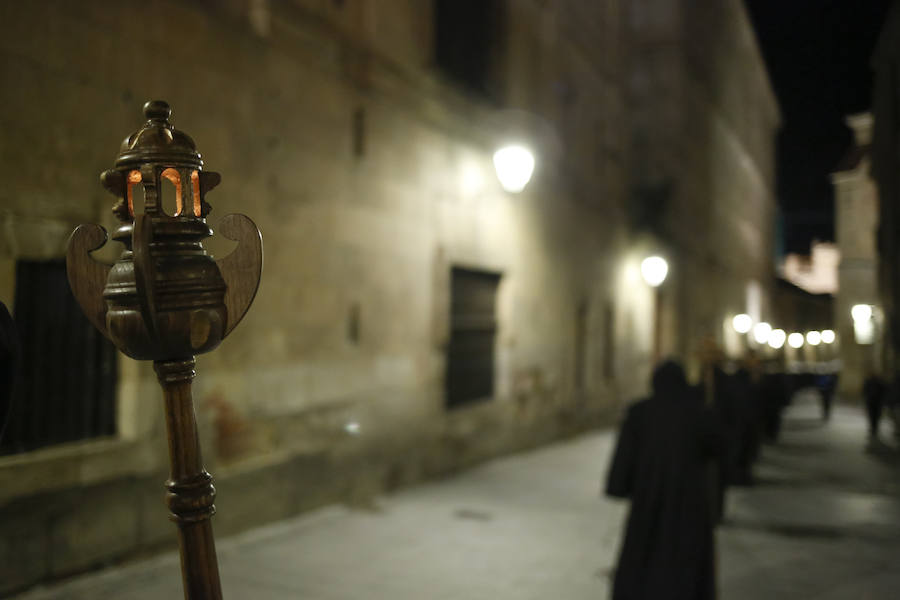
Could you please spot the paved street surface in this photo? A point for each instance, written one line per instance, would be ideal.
(823, 523)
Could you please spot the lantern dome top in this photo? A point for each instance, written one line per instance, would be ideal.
(158, 142)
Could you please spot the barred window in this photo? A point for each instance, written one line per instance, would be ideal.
(64, 389)
(473, 329)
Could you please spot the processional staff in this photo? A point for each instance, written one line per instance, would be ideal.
(167, 300)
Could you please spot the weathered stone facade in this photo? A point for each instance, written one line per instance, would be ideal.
(885, 152)
(368, 171)
(856, 223)
(702, 177)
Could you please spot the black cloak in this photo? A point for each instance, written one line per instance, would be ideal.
(663, 464)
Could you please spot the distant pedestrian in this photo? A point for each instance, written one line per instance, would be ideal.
(873, 392)
(746, 391)
(891, 403)
(826, 383)
(661, 464)
(774, 394)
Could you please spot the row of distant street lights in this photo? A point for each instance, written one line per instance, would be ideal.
(655, 268)
(763, 333)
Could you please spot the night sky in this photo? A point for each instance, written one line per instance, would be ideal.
(818, 56)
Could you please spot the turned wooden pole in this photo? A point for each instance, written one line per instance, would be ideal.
(191, 493)
(167, 300)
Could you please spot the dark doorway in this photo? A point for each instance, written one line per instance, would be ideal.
(581, 326)
(609, 341)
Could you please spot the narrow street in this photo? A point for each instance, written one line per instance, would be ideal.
(823, 522)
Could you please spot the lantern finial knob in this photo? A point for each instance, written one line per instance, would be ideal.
(157, 110)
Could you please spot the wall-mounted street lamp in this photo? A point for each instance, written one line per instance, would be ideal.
(813, 338)
(654, 270)
(828, 336)
(742, 323)
(514, 165)
(861, 312)
(795, 340)
(761, 332)
(863, 327)
(777, 338)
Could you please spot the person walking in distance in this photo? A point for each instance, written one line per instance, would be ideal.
(873, 393)
(661, 464)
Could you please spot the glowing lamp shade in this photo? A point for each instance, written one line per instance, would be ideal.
(795, 340)
(761, 332)
(861, 312)
(654, 270)
(864, 331)
(828, 336)
(742, 323)
(777, 338)
(514, 166)
(813, 338)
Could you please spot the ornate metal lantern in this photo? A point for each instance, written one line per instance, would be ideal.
(167, 300)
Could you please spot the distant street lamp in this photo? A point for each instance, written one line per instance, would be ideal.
(761, 332)
(742, 323)
(514, 166)
(654, 270)
(795, 340)
(777, 338)
(863, 327)
(861, 312)
(828, 336)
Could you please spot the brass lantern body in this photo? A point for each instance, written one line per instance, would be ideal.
(165, 297)
(181, 314)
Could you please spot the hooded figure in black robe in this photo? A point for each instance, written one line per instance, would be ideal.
(662, 463)
(873, 392)
(775, 397)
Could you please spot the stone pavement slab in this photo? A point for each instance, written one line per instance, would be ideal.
(822, 523)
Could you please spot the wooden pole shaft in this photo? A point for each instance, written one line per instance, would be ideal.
(190, 493)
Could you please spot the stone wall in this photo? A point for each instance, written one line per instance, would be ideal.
(702, 149)
(369, 173)
(856, 224)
